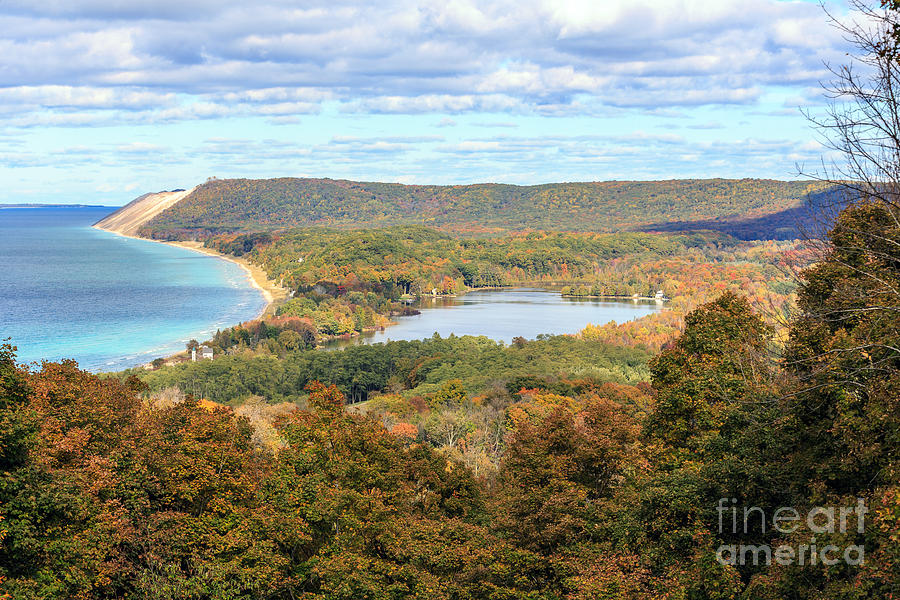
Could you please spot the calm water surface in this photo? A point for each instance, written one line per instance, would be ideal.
(505, 314)
(109, 302)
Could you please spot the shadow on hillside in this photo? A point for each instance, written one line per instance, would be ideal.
(809, 219)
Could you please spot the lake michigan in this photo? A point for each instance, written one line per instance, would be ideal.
(109, 302)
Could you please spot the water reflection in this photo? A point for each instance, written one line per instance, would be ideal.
(505, 314)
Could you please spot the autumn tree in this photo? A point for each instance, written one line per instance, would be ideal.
(119, 499)
(562, 460)
(17, 423)
(712, 434)
(719, 364)
(385, 518)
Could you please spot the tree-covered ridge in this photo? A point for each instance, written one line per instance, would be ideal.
(244, 205)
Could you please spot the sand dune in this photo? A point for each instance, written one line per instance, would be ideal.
(128, 219)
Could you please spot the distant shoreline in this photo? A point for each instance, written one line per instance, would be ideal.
(2, 206)
(619, 297)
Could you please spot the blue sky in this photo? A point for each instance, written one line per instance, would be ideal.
(102, 100)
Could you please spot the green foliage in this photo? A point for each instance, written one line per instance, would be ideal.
(278, 335)
(17, 425)
(845, 355)
(251, 206)
(452, 395)
(842, 413)
(720, 362)
(713, 434)
(418, 367)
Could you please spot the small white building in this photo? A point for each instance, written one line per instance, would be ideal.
(205, 353)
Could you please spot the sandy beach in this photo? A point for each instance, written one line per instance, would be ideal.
(127, 221)
(274, 294)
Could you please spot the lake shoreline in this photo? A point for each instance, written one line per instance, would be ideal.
(74, 292)
(502, 314)
(618, 298)
(272, 293)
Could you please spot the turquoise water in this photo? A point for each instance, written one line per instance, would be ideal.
(505, 314)
(109, 302)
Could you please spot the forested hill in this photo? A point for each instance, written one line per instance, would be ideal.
(748, 208)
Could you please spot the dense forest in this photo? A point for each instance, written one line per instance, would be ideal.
(410, 368)
(565, 467)
(559, 474)
(746, 208)
(348, 281)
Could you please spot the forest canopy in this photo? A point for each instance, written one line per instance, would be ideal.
(747, 208)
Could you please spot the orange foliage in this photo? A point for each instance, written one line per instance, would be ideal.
(405, 431)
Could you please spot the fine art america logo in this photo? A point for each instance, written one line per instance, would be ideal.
(786, 520)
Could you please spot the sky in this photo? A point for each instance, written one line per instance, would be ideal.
(104, 100)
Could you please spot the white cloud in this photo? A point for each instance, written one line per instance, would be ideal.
(141, 148)
(394, 57)
(435, 103)
(66, 96)
(367, 78)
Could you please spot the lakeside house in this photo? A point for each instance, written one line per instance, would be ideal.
(206, 353)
